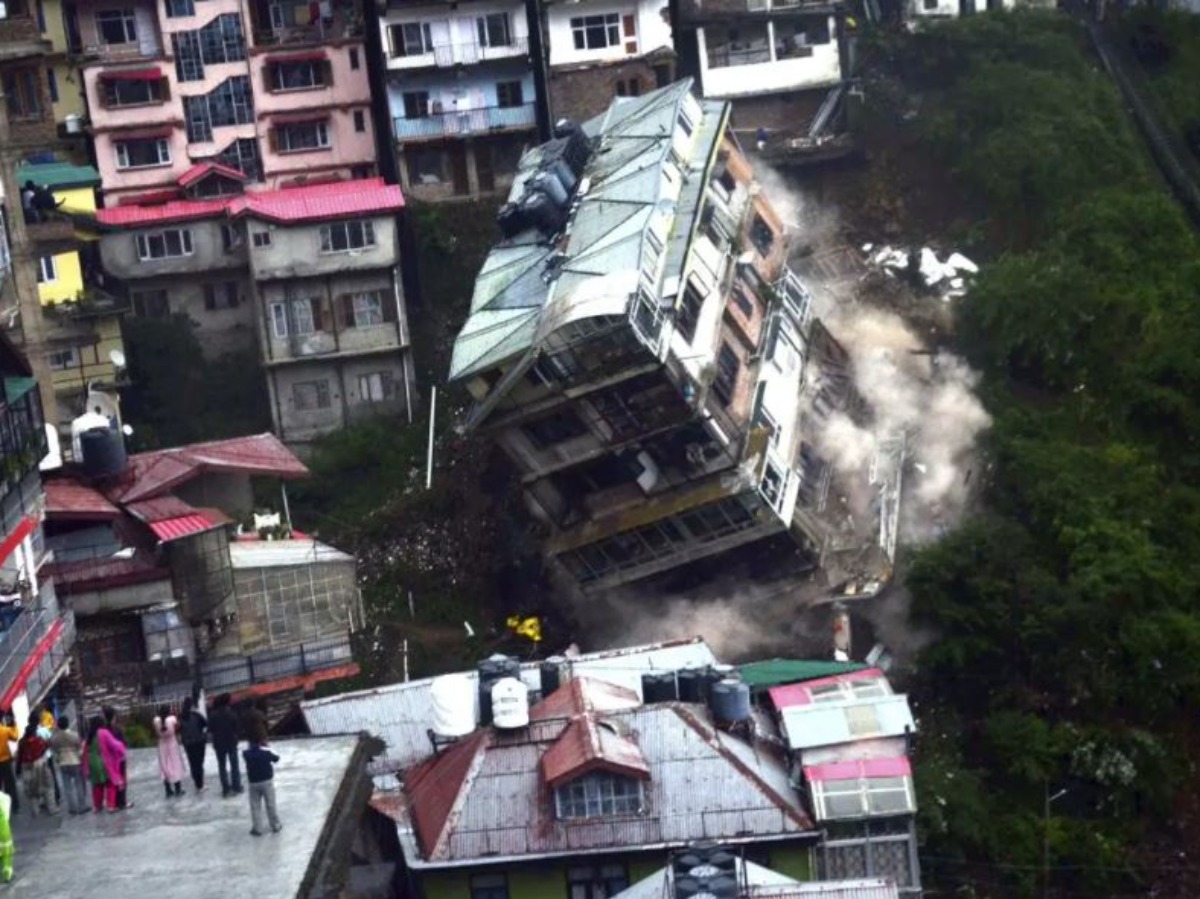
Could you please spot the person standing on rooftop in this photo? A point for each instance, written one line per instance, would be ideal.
(193, 733)
(110, 721)
(260, 773)
(170, 756)
(224, 727)
(103, 755)
(67, 747)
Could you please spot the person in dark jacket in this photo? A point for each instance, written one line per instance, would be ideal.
(193, 733)
(260, 774)
(224, 728)
(256, 723)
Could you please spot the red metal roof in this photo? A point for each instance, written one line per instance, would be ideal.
(154, 474)
(309, 203)
(860, 768)
(203, 169)
(67, 498)
(160, 509)
(172, 211)
(584, 694)
(151, 74)
(320, 202)
(184, 526)
(802, 693)
(98, 574)
(433, 787)
(592, 744)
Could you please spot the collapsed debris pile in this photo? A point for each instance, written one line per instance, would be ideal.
(948, 279)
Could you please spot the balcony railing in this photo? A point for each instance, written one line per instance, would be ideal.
(18, 28)
(466, 121)
(24, 657)
(466, 53)
(339, 27)
(226, 674)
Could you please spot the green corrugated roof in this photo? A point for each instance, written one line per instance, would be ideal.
(58, 174)
(773, 672)
(15, 388)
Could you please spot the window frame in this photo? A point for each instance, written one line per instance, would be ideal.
(483, 30)
(322, 397)
(725, 379)
(510, 94)
(284, 136)
(23, 85)
(488, 886)
(261, 240)
(47, 270)
(162, 147)
(584, 28)
(122, 15)
(316, 71)
(398, 39)
(328, 234)
(383, 380)
(624, 796)
(144, 247)
(59, 364)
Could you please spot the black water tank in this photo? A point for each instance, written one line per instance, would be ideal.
(691, 685)
(543, 213)
(511, 220)
(551, 673)
(103, 451)
(659, 687)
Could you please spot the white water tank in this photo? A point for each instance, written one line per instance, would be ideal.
(73, 123)
(510, 704)
(453, 700)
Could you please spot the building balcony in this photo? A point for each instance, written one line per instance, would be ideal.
(35, 644)
(341, 26)
(56, 234)
(700, 11)
(461, 54)
(465, 122)
(315, 660)
(19, 33)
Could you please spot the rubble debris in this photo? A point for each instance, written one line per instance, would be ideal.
(949, 279)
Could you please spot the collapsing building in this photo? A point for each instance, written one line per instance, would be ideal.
(640, 349)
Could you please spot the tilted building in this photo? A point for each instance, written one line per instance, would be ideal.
(639, 348)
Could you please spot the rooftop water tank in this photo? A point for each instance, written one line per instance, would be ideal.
(551, 674)
(542, 212)
(551, 186)
(510, 704)
(492, 669)
(453, 699)
(730, 701)
(690, 685)
(659, 687)
(102, 451)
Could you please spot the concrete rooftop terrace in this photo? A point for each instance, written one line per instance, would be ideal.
(193, 847)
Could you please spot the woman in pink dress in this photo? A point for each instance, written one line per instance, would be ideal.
(170, 753)
(102, 756)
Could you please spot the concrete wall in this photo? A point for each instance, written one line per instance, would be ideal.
(102, 336)
(231, 493)
(295, 252)
(118, 252)
(454, 33)
(121, 599)
(580, 93)
(652, 24)
(282, 606)
(334, 336)
(821, 68)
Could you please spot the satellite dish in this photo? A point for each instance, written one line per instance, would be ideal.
(117, 358)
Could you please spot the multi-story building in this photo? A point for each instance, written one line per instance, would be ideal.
(82, 319)
(63, 79)
(598, 49)
(278, 92)
(775, 59)
(313, 272)
(641, 352)
(460, 93)
(36, 634)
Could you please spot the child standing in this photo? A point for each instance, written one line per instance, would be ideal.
(260, 773)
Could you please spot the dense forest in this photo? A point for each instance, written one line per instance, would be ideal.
(1058, 703)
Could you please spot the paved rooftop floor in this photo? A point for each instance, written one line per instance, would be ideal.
(193, 847)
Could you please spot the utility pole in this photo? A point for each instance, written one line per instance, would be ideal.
(1046, 837)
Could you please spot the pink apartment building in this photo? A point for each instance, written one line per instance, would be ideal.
(276, 90)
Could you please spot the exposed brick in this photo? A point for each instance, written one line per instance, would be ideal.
(581, 93)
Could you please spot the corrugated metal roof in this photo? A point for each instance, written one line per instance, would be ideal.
(761, 883)
(584, 694)
(827, 724)
(82, 573)
(152, 474)
(169, 529)
(590, 744)
(67, 498)
(58, 174)
(862, 684)
(203, 169)
(493, 803)
(599, 260)
(159, 509)
(278, 553)
(771, 672)
(160, 214)
(320, 202)
(400, 714)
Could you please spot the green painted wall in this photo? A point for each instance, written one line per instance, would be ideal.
(548, 879)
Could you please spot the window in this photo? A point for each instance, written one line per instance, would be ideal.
(489, 886)
(365, 310)
(227, 104)
(493, 30)
(177, 9)
(222, 40)
(307, 395)
(883, 848)
(844, 691)
(169, 244)
(222, 295)
(63, 359)
(554, 429)
(783, 347)
(47, 273)
(296, 76)
(596, 881)
(509, 94)
(596, 32)
(411, 39)
(302, 136)
(630, 88)
(296, 317)
(261, 239)
(23, 93)
(360, 121)
(52, 82)
(772, 485)
(377, 387)
(834, 799)
(242, 155)
(594, 795)
(131, 91)
(116, 26)
(727, 374)
(689, 312)
(141, 154)
(151, 304)
(231, 238)
(742, 301)
(188, 64)
(342, 236)
(762, 236)
(416, 104)
(354, 63)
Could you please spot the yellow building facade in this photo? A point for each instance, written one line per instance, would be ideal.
(63, 78)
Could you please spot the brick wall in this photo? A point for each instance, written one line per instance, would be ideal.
(581, 93)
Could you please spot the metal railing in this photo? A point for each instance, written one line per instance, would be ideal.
(227, 674)
(466, 121)
(339, 27)
(19, 641)
(462, 53)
